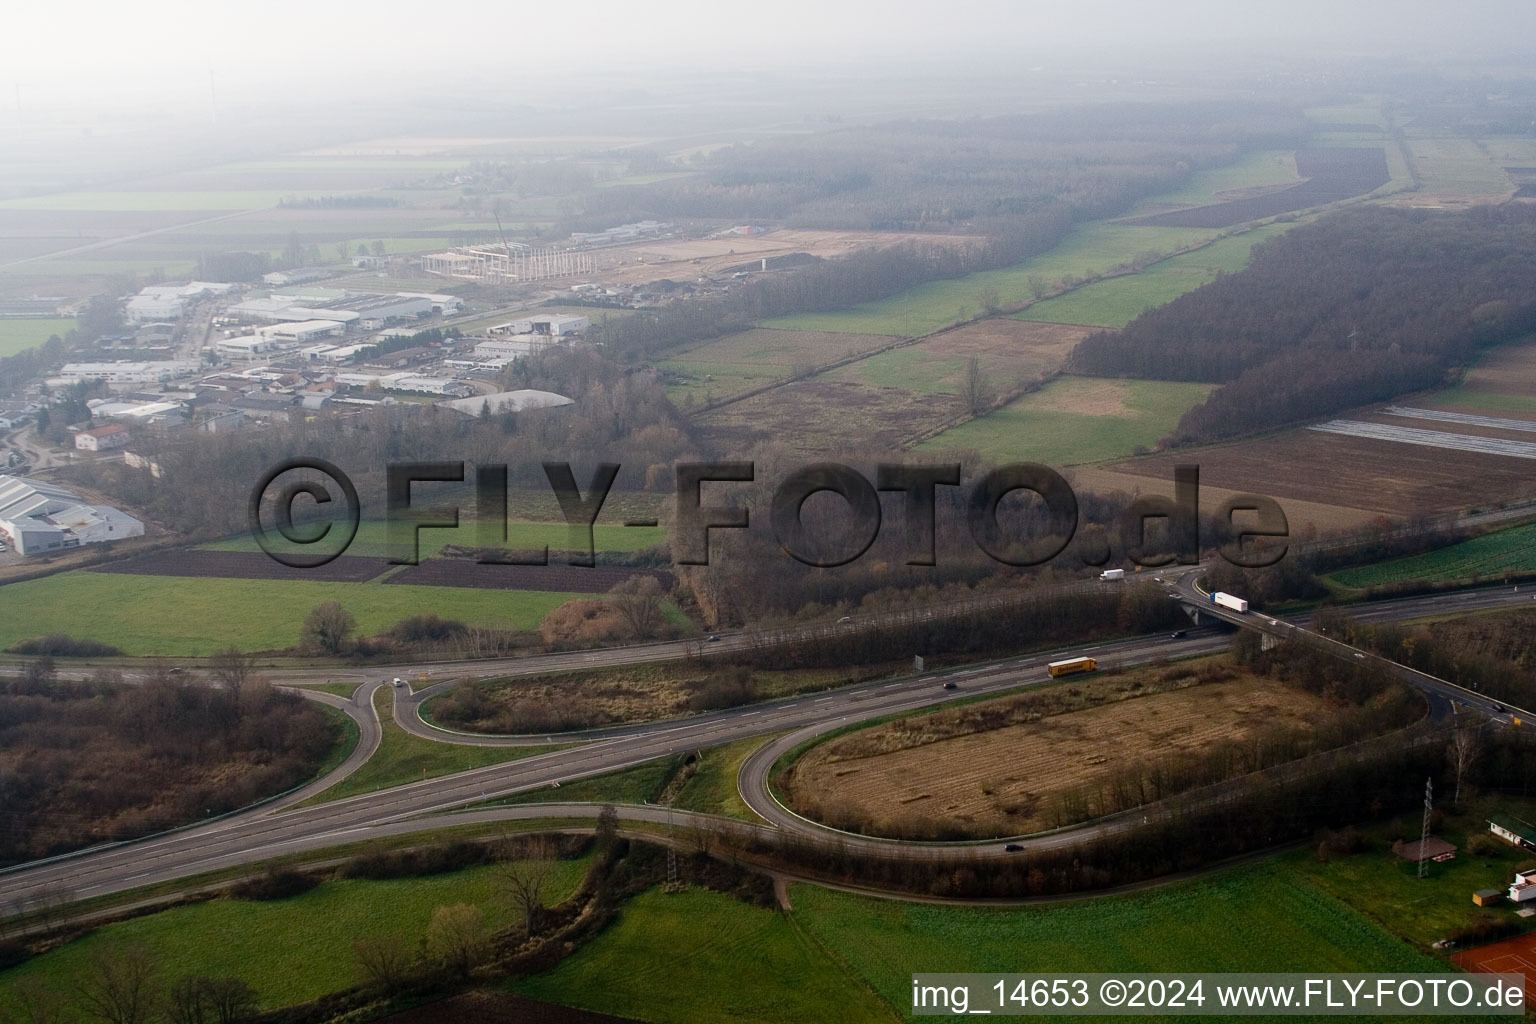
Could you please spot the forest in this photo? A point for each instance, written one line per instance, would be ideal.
(945, 175)
(1359, 307)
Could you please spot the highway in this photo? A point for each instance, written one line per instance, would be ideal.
(281, 827)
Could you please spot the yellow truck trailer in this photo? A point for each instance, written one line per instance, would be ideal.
(1072, 666)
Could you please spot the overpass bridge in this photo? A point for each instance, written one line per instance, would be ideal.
(1445, 698)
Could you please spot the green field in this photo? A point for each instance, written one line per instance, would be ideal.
(1091, 249)
(17, 335)
(1487, 556)
(403, 758)
(1455, 166)
(703, 958)
(1256, 918)
(372, 538)
(289, 950)
(194, 617)
(725, 961)
(1269, 167)
(1117, 301)
(1359, 113)
(1042, 426)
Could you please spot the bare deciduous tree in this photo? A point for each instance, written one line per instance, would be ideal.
(979, 393)
(36, 1003)
(198, 1000)
(638, 601)
(1466, 745)
(522, 876)
(457, 936)
(119, 985)
(233, 668)
(329, 627)
(383, 961)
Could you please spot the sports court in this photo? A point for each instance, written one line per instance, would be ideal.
(1512, 956)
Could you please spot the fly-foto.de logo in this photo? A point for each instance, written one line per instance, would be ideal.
(288, 505)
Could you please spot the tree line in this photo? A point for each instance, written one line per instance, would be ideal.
(1358, 307)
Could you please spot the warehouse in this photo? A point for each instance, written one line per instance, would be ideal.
(129, 373)
(302, 332)
(38, 517)
(412, 382)
(245, 347)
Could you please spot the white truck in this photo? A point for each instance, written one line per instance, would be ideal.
(1237, 604)
(1112, 574)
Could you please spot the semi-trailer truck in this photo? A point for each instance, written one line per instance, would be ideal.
(1072, 665)
(1112, 574)
(1237, 604)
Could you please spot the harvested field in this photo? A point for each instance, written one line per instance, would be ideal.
(564, 579)
(1501, 383)
(1512, 956)
(740, 362)
(1332, 175)
(1299, 514)
(823, 416)
(1010, 352)
(1355, 472)
(683, 259)
(994, 768)
(244, 565)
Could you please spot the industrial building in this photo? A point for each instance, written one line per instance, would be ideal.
(38, 517)
(622, 233)
(555, 325)
(506, 264)
(302, 332)
(168, 302)
(416, 383)
(509, 348)
(246, 347)
(369, 312)
(160, 414)
(129, 373)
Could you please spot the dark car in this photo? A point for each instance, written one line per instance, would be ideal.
(1179, 634)
(712, 638)
(951, 686)
(1013, 848)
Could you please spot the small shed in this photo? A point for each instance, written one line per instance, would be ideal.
(1487, 897)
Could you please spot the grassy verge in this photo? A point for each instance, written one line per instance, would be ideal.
(641, 784)
(403, 758)
(712, 788)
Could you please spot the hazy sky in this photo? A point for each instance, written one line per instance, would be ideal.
(107, 50)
